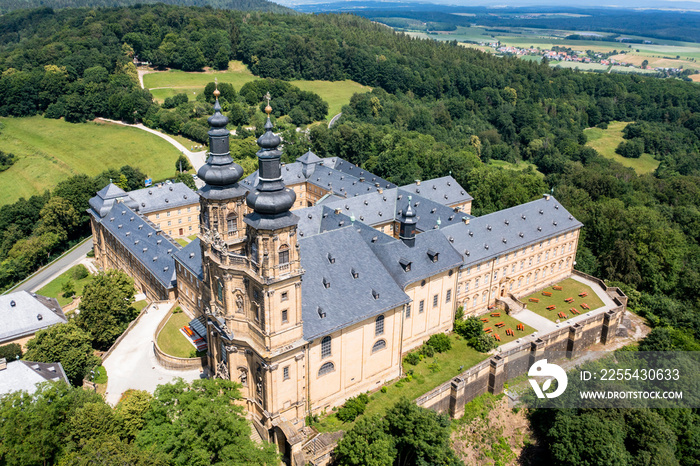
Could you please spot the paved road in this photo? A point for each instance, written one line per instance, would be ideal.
(334, 119)
(197, 159)
(56, 268)
(133, 364)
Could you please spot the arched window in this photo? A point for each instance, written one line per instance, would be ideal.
(378, 346)
(325, 347)
(520, 282)
(327, 368)
(537, 274)
(219, 290)
(284, 254)
(379, 326)
(474, 301)
(483, 297)
(232, 223)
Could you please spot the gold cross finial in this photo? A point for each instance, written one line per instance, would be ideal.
(216, 88)
(268, 109)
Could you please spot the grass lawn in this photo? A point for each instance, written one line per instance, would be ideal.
(53, 288)
(182, 242)
(100, 375)
(424, 380)
(606, 140)
(139, 305)
(171, 340)
(50, 151)
(521, 165)
(510, 323)
(572, 288)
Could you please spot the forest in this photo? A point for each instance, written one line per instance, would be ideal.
(435, 109)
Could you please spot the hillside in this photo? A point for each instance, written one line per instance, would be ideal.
(243, 5)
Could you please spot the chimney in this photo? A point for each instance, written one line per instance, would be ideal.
(546, 197)
(417, 182)
(465, 220)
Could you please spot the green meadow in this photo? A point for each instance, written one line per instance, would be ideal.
(164, 84)
(606, 140)
(50, 151)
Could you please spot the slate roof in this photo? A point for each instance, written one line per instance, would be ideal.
(163, 196)
(191, 258)
(319, 219)
(347, 299)
(510, 229)
(105, 199)
(431, 254)
(29, 314)
(24, 375)
(153, 251)
(376, 208)
(444, 190)
(334, 174)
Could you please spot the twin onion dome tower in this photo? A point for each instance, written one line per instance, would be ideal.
(271, 200)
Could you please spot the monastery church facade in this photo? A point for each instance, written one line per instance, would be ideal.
(314, 278)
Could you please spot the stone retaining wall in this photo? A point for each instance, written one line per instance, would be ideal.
(171, 362)
(491, 374)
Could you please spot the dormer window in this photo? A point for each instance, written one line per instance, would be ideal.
(375, 294)
(433, 255)
(331, 259)
(405, 264)
(354, 273)
(321, 313)
(326, 283)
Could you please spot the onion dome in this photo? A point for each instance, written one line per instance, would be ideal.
(271, 197)
(220, 169)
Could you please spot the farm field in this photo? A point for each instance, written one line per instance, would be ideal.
(50, 151)
(580, 66)
(571, 289)
(164, 84)
(606, 140)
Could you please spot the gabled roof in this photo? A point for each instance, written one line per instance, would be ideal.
(348, 168)
(25, 375)
(509, 229)
(333, 256)
(152, 250)
(319, 219)
(444, 190)
(191, 258)
(163, 196)
(24, 313)
(431, 254)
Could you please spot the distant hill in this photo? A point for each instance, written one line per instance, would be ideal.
(244, 5)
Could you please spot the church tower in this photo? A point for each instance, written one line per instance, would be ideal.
(253, 274)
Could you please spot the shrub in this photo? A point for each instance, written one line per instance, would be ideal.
(412, 358)
(68, 289)
(352, 408)
(177, 310)
(469, 328)
(91, 253)
(383, 390)
(11, 351)
(439, 342)
(80, 272)
(427, 351)
(434, 366)
(483, 343)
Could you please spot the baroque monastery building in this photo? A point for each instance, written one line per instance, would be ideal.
(315, 277)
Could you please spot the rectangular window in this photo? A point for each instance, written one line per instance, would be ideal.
(570, 245)
(157, 215)
(190, 227)
(448, 296)
(285, 296)
(169, 222)
(466, 287)
(408, 311)
(189, 219)
(478, 268)
(284, 317)
(495, 275)
(459, 287)
(179, 220)
(476, 283)
(435, 300)
(188, 209)
(179, 211)
(421, 306)
(168, 214)
(469, 269)
(498, 260)
(522, 264)
(285, 373)
(513, 269)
